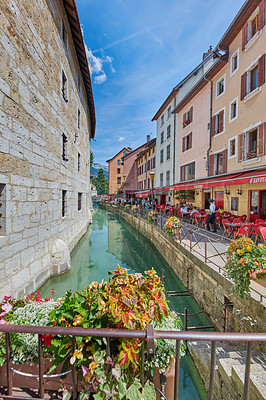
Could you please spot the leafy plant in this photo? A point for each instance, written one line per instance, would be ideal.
(186, 195)
(152, 216)
(245, 260)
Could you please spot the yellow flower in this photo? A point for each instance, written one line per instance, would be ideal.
(249, 248)
(77, 354)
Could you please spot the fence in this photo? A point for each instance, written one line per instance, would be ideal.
(147, 338)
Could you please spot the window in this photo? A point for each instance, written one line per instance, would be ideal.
(153, 163)
(144, 184)
(161, 179)
(168, 132)
(79, 201)
(2, 209)
(64, 86)
(187, 117)
(162, 137)
(252, 143)
(169, 112)
(217, 123)
(118, 170)
(161, 156)
(220, 86)
(234, 62)
(162, 120)
(218, 163)
(119, 179)
(253, 78)
(167, 178)
(118, 162)
(233, 110)
(149, 165)
(64, 34)
(78, 161)
(187, 172)
(254, 26)
(145, 168)
(187, 142)
(64, 147)
(78, 118)
(168, 152)
(232, 147)
(124, 153)
(64, 199)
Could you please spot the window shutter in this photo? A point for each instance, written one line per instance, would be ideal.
(261, 70)
(213, 126)
(191, 114)
(262, 14)
(190, 140)
(221, 121)
(243, 86)
(211, 164)
(224, 161)
(183, 145)
(241, 147)
(184, 120)
(261, 140)
(244, 36)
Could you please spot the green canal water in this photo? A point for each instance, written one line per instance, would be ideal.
(111, 241)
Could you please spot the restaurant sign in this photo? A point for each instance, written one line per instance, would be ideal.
(258, 179)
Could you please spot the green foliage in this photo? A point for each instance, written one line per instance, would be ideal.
(186, 195)
(91, 158)
(152, 216)
(245, 260)
(171, 224)
(101, 183)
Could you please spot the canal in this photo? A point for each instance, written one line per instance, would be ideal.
(111, 241)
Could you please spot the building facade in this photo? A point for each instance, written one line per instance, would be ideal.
(146, 162)
(116, 172)
(47, 120)
(131, 172)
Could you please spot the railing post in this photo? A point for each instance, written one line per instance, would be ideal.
(212, 371)
(8, 366)
(74, 394)
(177, 369)
(186, 319)
(205, 246)
(190, 240)
(247, 371)
(41, 381)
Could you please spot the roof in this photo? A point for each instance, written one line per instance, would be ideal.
(148, 146)
(124, 148)
(216, 67)
(181, 83)
(237, 24)
(73, 19)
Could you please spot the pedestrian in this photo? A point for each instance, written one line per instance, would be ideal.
(211, 216)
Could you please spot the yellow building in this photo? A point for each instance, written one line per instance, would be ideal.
(145, 164)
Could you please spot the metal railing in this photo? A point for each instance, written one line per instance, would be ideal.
(197, 241)
(147, 336)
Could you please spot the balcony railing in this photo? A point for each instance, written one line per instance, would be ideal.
(147, 337)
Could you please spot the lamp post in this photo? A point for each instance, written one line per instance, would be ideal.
(152, 175)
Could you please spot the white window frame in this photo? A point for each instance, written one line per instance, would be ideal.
(215, 160)
(168, 137)
(217, 85)
(234, 118)
(162, 120)
(167, 181)
(257, 90)
(251, 40)
(186, 163)
(168, 147)
(229, 141)
(236, 53)
(187, 142)
(246, 131)
(220, 133)
(169, 109)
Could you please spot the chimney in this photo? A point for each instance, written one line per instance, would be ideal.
(148, 138)
(206, 54)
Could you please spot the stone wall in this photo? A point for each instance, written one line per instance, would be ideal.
(34, 115)
(207, 286)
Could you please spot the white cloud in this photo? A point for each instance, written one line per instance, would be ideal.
(100, 78)
(121, 138)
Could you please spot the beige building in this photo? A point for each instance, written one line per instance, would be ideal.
(116, 172)
(47, 120)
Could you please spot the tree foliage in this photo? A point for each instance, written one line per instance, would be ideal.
(100, 182)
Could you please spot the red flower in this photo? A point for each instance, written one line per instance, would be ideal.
(47, 340)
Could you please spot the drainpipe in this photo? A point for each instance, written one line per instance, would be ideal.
(210, 137)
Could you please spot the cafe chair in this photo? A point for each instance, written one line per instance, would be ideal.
(218, 219)
(260, 221)
(244, 230)
(257, 231)
(237, 221)
(243, 217)
(227, 227)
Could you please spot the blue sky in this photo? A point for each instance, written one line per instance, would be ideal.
(138, 50)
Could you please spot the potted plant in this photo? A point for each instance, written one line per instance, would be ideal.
(134, 208)
(152, 216)
(172, 225)
(245, 261)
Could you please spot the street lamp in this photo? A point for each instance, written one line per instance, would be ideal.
(152, 175)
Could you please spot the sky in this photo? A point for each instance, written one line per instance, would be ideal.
(138, 50)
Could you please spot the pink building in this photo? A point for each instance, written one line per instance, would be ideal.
(131, 171)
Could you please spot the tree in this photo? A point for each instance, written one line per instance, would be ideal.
(91, 158)
(100, 182)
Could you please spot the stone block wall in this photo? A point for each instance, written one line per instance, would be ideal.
(33, 117)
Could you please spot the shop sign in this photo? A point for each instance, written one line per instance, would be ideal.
(258, 179)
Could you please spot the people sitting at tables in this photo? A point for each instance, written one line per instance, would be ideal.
(220, 209)
(193, 211)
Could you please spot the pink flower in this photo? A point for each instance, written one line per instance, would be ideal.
(7, 307)
(3, 322)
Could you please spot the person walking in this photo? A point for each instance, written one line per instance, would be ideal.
(211, 216)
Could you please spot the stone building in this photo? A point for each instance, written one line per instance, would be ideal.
(47, 118)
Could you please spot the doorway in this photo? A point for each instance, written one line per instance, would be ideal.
(162, 199)
(206, 198)
(219, 200)
(262, 207)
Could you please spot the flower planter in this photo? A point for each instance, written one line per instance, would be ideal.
(26, 376)
(169, 387)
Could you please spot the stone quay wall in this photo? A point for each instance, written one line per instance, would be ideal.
(208, 287)
(44, 183)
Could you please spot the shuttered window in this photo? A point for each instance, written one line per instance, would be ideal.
(252, 144)
(217, 123)
(253, 78)
(254, 25)
(188, 117)
(187, 142)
